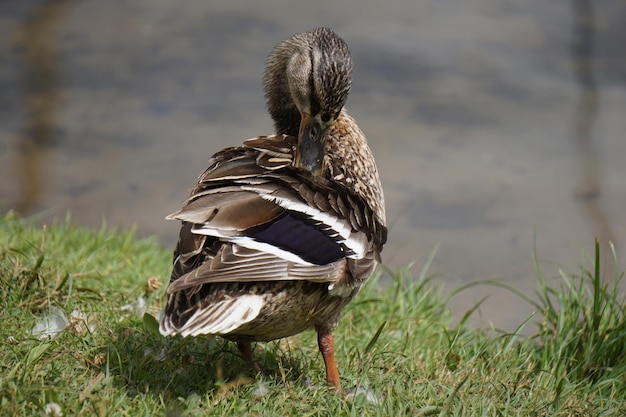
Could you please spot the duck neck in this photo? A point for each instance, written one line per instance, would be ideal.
(278, 95)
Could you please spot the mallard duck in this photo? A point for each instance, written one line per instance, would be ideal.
(279, 234)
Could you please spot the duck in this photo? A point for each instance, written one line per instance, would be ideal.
(279, 233)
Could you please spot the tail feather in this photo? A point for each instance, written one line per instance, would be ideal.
(220, 318)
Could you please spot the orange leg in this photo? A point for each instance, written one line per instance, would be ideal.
(326, 343)
(246, 351)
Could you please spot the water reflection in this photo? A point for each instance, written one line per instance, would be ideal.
(588, 191)
(35, 41)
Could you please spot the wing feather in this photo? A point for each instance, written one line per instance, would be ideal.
(237, 264)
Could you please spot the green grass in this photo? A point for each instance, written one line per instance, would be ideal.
(396, 343)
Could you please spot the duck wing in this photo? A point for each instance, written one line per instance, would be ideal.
(253, 217)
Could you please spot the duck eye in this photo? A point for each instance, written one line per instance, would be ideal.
(325, 117)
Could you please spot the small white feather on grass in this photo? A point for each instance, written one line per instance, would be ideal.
(51, 324)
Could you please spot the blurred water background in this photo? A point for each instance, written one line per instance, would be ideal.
(499, 126)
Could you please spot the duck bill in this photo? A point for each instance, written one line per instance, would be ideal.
(310, 149)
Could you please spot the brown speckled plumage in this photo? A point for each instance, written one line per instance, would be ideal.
(349, 161)
(279, 234)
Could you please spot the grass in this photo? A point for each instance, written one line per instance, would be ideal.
(395, 345)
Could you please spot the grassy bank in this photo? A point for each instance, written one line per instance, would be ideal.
(397, 347)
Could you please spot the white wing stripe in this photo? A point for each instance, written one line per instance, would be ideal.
(356, 242)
